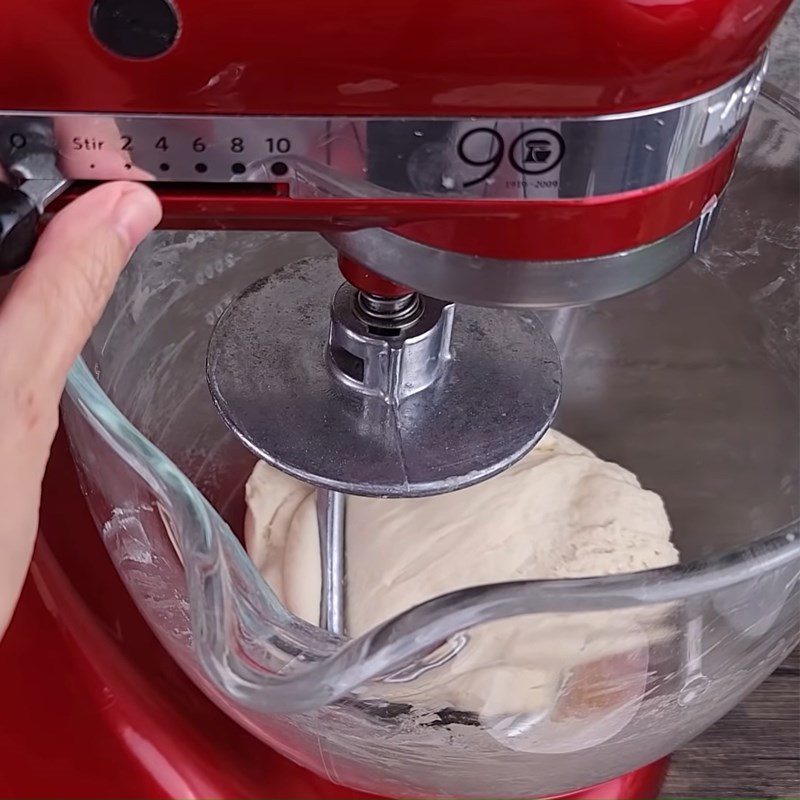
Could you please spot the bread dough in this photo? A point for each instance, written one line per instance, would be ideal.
(559, 512)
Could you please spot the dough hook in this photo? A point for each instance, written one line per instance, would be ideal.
(331, 514)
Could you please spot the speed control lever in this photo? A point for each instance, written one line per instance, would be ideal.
(20, 211)
(27, 150)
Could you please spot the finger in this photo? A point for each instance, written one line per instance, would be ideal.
(57, 299)
(44, 322)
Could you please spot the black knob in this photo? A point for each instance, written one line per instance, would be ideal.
(19, 220)
(135, 28)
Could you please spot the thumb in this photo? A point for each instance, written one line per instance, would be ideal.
(56, 301)
(45, 320)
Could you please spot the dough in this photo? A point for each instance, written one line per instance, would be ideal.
(560, 512)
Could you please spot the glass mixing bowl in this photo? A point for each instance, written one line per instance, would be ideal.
(691, 383)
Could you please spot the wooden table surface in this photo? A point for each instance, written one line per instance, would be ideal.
(753, 752)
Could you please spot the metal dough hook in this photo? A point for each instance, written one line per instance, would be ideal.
(331, 514)
(378, 396)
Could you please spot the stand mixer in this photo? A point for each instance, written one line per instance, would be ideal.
(462, 163)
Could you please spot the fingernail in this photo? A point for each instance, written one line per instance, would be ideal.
(137, 212)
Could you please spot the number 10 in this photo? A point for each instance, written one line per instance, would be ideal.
(281, 145)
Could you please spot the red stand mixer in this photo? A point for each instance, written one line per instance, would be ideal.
(512, 155)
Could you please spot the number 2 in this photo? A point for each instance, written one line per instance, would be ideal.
(127, 142)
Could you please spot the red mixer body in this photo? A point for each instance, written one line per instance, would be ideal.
(469, 60)
(416, 58)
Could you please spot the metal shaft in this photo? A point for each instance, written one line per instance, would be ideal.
(390, 313)
(331, 512)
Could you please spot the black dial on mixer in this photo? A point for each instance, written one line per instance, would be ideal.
(135, 28)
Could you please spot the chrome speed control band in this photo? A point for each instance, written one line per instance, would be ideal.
(466, 158)
(402, 413)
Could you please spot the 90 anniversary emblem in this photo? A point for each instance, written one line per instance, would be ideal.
(533, 152)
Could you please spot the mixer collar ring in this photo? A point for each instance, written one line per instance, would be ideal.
(518, 284)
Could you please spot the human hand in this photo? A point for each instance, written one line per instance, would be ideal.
(45, 319)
